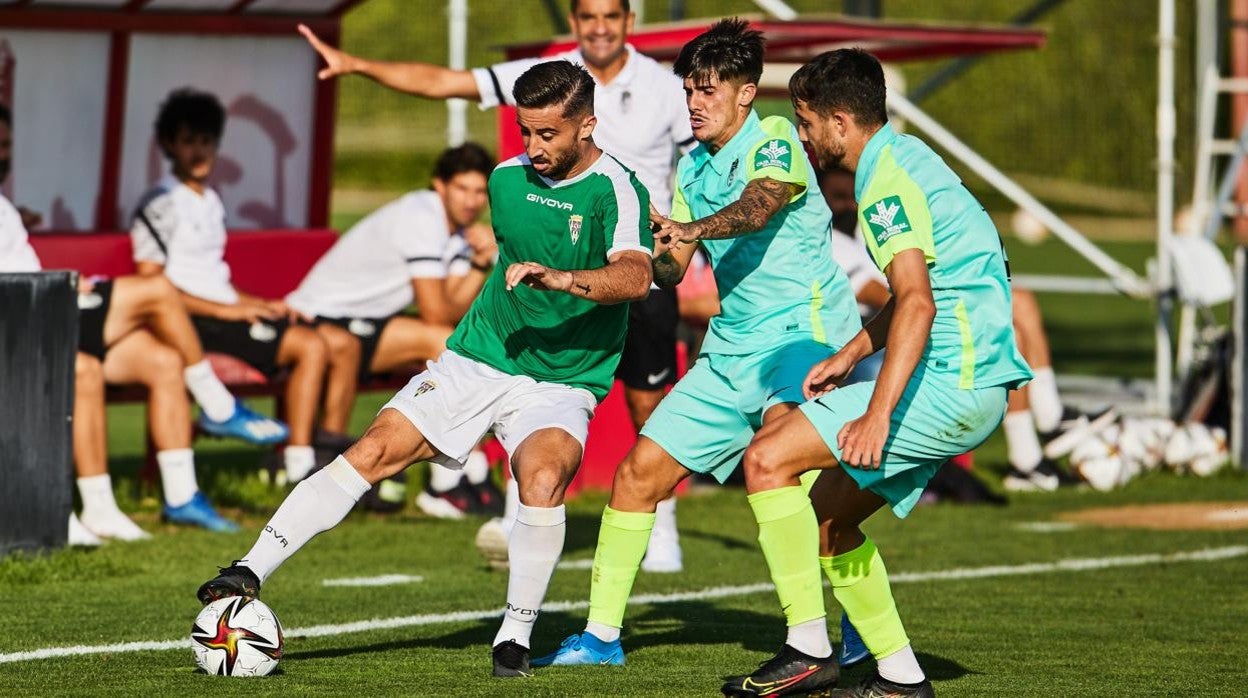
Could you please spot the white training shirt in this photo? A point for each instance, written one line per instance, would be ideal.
(185, 232)
(368, 273)
(851, 255)
(16, 254)
(642, 117)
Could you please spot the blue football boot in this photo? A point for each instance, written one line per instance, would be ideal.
(246, 425)
(198, 512)
(852, 648)
(584, 648)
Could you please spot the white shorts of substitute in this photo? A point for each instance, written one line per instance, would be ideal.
(456, 400)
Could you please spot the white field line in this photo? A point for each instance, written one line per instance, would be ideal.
(1046, 526)
(1073, 565)
(582, 564)
(1228, 515)
(384, 580)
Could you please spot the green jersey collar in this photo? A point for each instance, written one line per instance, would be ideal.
(871, 154)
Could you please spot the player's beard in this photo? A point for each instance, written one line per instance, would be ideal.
(563, 164)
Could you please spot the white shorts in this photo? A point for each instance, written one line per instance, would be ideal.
(456, 400)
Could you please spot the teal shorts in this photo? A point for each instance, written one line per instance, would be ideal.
(708, 419)
(932, 423)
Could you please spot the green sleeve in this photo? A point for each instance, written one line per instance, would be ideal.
(680, 207)
(779, 156)
(895, 216)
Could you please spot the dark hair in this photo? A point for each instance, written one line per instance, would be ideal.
(6, 116)
(556, 83)
(201, 112)
(623, 4)
(468, 157)
(849, 80)
(729, 50)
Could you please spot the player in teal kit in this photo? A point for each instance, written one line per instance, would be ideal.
(747, 195)
(531, 359)
(951, 359)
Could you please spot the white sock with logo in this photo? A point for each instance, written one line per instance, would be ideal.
(442, 478)
(299, 461)
(177, 475)
(533, 551)
(512, 505)
(317, 504)
(478, 467)
(209, 392)
(1021, 443)
(1046, 403)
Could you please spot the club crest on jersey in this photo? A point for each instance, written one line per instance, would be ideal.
(424, 387)
(574, 227)
(887, 218)
(774, 154)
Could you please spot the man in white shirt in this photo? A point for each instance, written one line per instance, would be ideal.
(425, 247)
(134, 330)
(179, 230)
(642, 120)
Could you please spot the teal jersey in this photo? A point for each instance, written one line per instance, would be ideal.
(577, 223)
(778, 284)
(908, 198)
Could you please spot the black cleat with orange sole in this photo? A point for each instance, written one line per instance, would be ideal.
(789, 673)
(879, 687)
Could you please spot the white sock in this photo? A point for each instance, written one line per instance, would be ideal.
(177, 475)
(1021, 443)
(315, 505)
(512, 505)
(901, 666)
(209, 392)
(478, 467)
(665, 516)
(442, 478)
(299, 460)
(605, 633)
(1046, 404)
(97, 494)
(810, 638)
(533, 551)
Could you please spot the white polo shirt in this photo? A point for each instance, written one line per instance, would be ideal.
(185, 232)
(368, 273)
(642, 117)
(16, 254)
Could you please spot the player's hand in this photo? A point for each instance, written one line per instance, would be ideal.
(336, 62)
(248, 312)
(862, 440)
(281, 311)
(480, 239)
(827, 375)
(536, 276)
(668, 234)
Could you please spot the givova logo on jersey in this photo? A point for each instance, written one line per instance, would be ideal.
(547, 201)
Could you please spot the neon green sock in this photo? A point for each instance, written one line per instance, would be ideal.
(860, 584)
(622, 542)
(789, 537)
(808, 479)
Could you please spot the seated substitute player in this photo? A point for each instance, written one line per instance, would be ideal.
(134, 330)
(942, 390)
(179, 229)
(747, 194)
(641, 121)
(534, 354)
(424, 247)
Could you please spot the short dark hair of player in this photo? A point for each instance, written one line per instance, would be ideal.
(556, 83)
(6, 116)
(468, 157)
(847, 79)
(201, 112)
(729, 50)
(624, 5)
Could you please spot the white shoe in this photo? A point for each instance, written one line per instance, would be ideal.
(1075, 427)
(79, 535)
(437, 507)
(113, 524)
(492, 542)
(663, 554)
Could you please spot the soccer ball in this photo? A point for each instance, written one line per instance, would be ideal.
(1210, 452)
(1142, 444)
(1099, 461)
(235, 636)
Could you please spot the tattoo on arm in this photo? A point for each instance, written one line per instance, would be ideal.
(667, 271)
(584, 288)
(761, 199)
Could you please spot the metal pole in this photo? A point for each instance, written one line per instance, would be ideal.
(1164, 368)
(1123, 277)
(457, 59)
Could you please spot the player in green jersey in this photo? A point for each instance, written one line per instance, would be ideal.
(748, 196)
(534, 355)
(941, 391)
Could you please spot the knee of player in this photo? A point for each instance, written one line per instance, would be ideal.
(763, 460)
(543, 486)
(368, 455)
(341, 345)
(310, 347)
(636, 482)
(164, 364)
(88, 373)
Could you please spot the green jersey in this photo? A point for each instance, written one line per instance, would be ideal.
(571, 224)
(778, 284)
(909, 199)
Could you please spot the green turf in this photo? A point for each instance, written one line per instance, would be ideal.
(1160, 629)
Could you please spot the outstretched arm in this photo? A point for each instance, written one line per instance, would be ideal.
(420, 79)
(625, 278)
(761, 199)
